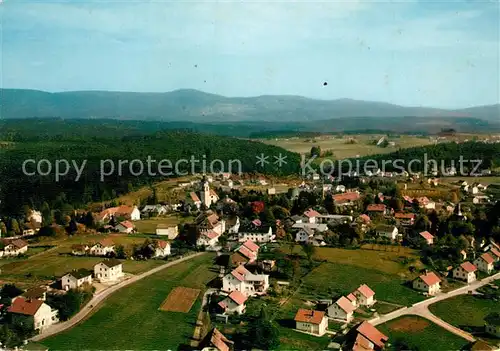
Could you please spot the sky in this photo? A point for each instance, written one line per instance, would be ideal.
(417, 53)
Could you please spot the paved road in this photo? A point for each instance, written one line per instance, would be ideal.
(96, 301)
(422, 308)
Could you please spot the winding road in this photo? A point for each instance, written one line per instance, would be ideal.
(422, 308)
(95, 303)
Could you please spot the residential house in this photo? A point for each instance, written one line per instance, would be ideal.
(481, 199)
(387, 231)
(353, 300)
(242, 280)
(233, 224)
(376, 209)
(80, 249)
(365, 337)
(102, 248)
(426, 203)
(35, 216)
(76, 279)
(208, 239)
(318, 228)
(170, 231)
(364, 296)
(346, 199)
(34, 311)
(216, 341)
(405, 219)
(246, 253)
(256, 233)
(428, 237)
(209, 227)
(495, 253)
(341, 309)
(126, 227)
(13, 247)
(311, 215)
(429, 282)
(154, 210)
(310, 321)
(234, 303)
(162, 248)
(304, 234)
(128, 212)
(485, 263)
(466, 271)
(109, 270)
(193, 199)
(340, 189)
(492, 324)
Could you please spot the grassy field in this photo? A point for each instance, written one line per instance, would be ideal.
(464, 310)
(130, 319)
(419, 333)
(341, 148)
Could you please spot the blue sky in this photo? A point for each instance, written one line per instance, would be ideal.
(432, 53)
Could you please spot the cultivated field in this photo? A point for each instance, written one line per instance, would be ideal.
(343, 148)
(130, 318)
(417, 333)
(180, 299)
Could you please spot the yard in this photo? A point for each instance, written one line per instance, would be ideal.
(413, 332)
(464, 310)
(130, 318)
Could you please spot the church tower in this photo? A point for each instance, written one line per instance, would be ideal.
(205, 193)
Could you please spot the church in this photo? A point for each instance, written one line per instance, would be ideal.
(205, 196)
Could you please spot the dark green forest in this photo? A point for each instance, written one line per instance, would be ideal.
(78, 144)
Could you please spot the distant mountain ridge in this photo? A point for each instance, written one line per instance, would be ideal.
(197, 106)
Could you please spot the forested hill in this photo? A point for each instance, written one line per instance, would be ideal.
(17, 189)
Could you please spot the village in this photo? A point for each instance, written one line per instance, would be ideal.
(275, 260)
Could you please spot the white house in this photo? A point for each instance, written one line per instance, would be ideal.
(364, 296)
(14, 247)
(342, 309)
(128, 212)
(466, 271)
(234, 303)
(79, 249)
(35, 216)
(109, 270)
(171, 232)
(43, 315)
(262, 234)
(242, 280)
(154, 209)
(387, 231)
(126, 227)
(313, 322)
(76, 279)
(162, 248)
(208, 238)
(102, 248)
(304, 235)
(485, 263)
(429, 282)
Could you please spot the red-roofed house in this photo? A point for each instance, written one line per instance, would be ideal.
(234, 303)
(376, 209)
(428, 237)
(466, 271)
(369, 338)
(405, 219)
(13, 247)
(249, 244)
(495, 253)
(309, 321)
(126, 227)
(485, 263)
(162, 248)
(129, 212)
(342, 309)
(429, 282)
(364, 295)
(216, 341)
(242, 280)
(33, 311)
(312, 215)
(353, 300)
(346, 199)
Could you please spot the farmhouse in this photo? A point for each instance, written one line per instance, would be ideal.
(387, 231)
(466, 271)
(405, 219)
(102, 248)
(242, 280)
(428, 237)
(33, 311)
(14, 247)
(170, 231)
(76, 279)
(492, 324)
(234, 303)
(108, 270)
(128, 212)
(484, 263)
(309, 321)
(342, 309)
(429, 282)
(364, 296)
(126, 227)
(161, 248)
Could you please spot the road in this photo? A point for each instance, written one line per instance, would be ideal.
(422, 308)
(95, 303)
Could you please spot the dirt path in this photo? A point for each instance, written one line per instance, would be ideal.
(95, 303)
(422, 308)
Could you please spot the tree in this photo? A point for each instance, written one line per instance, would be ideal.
(89, 220)
(10, 291)
(263, 333)
(14, 226)
(72, 227)
(315, 151)
(120, 252)
(3, 228)
(47, 217)
(309, 251)
(257, 207)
